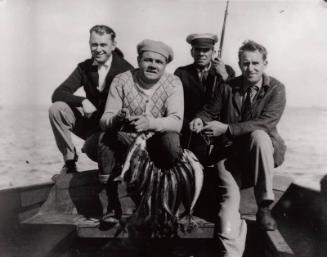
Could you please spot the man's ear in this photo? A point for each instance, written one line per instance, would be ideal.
(265, 63)
(192, 52)
(114, 44)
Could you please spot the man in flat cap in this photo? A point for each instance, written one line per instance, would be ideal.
(152, 101)
(200, 79)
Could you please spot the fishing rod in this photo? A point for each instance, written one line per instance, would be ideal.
(222, 35)
(220, 50)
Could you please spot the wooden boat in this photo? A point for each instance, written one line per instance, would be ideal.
(57, 219)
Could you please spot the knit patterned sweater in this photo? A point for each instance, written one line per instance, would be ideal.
(163, 103)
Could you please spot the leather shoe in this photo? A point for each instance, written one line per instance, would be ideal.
(110, 218)
(109, 221)
(70, 165)
(264, 219)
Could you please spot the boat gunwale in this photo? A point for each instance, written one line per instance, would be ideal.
(27, 187)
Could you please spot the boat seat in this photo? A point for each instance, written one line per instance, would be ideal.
(77, 200)
(47, 219)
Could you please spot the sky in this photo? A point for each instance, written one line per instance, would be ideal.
(42, 41)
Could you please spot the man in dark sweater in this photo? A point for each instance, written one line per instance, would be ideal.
(200, 79)
(81, 115)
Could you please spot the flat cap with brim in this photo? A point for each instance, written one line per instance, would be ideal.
(157, 47)
(204, 40)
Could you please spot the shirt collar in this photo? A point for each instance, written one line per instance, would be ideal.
(205, 69)
(265, 82)
(106, 64)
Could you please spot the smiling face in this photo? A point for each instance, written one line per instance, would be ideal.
(252, 65)
(152, 66)
(202, 56)
(101, 46)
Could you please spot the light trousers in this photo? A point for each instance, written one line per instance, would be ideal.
(231, 228)
(257, 165)
(248, 163)
(65, 120)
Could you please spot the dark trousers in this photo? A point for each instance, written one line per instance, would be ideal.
(164, 150)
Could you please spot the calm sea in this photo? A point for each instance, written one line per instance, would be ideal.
(29, 155)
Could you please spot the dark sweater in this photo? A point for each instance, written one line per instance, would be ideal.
(86, 75)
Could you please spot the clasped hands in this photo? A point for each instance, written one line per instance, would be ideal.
(211, 129)
(140, 123)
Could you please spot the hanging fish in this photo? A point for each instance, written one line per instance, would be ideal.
(139, 142)
(198, 175)
(162, 194)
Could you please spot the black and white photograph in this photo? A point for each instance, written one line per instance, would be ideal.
(163, 128)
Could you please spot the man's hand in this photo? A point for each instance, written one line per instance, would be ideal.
(141, 123)
(214, 129)
(196, 125)
(220, 68)
(123, 115)
(88, 108)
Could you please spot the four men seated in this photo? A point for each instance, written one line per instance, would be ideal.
(227, 122)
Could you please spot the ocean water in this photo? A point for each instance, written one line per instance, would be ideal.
(29, 155)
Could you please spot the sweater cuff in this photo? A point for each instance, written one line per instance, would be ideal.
(152, 124)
